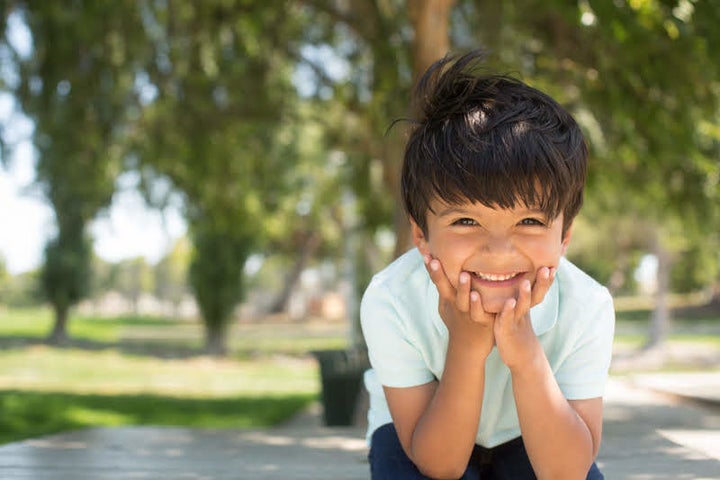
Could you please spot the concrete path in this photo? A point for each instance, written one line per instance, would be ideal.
(655, 434)
(650, 434)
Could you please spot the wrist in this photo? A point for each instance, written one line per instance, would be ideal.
(531, 364)
(471, 347)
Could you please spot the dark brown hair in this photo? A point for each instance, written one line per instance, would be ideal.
(490, 139)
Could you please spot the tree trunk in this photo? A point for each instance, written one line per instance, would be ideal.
(660, 319)
(215, 340)
(310, 244)
(58, 336)
(431, 22)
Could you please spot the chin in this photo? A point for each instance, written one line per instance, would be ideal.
(493, 305)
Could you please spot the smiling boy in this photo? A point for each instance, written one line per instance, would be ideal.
(490, 350)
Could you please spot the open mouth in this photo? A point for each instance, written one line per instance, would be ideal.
(491, 277)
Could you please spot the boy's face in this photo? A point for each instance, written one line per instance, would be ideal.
(498, 247)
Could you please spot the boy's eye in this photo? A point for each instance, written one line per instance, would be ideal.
(531, 221)
(465, 222)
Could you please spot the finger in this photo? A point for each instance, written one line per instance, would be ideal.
(506, 315)
(477, 312)
(438, 277)
(543, 282)
(462, 297)
(524, 300)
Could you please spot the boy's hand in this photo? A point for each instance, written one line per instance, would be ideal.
(514, 335)
(461, 309)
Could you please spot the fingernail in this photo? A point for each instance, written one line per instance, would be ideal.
(526, 285)
(474, 296)
(434, 265)
(512, 302)
(464, 277)
(427, 259)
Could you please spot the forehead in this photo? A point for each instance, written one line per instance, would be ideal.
(441, 208)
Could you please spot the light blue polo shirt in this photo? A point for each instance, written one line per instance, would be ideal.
(407, 342)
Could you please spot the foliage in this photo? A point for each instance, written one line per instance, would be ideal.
(22, 290)
(698, 267)
(65, 275)
(595, 239)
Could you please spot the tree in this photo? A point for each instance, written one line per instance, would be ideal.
(222, 87)
(75, 86)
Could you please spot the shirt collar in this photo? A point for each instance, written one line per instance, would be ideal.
(544, 315)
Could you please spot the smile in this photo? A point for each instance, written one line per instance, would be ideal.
(495, 278)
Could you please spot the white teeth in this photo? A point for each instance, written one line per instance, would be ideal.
(495, 278)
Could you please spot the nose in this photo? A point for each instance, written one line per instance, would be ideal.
(493, 244)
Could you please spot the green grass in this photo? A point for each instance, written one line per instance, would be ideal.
(26, 414)
(151, 371)
(45, 390)
(42, 368)
(162, 335)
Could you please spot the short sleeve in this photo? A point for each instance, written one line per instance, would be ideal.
(584, 372)
(393, 349)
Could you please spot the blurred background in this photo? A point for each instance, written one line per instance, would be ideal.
(193, 195)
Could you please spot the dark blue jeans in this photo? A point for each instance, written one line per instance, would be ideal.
(508, 461)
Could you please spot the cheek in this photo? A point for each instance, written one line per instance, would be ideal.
(452, 256)
(545, 252)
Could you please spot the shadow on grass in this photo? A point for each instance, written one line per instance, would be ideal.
(26, 414)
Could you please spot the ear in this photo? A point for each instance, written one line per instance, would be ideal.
(566, 240)
(419, 238)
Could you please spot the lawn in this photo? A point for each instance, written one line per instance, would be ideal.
(632, 329)
(151, 371)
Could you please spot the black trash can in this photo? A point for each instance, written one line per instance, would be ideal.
(341, 374)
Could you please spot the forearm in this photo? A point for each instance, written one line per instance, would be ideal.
(558, 442)
(444, 436)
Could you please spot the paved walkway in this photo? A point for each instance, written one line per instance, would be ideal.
(650, 434)
(654, 430)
